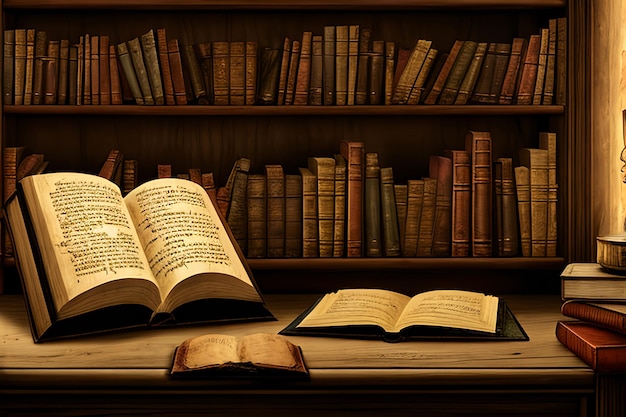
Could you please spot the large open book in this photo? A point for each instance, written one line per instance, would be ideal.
(394, 317)
(91, 260)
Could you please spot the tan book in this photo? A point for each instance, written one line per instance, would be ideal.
(339, 239)
(275, 180)
(316, 85)
(293, 216)
(164, 63)
(479, 145)
(310, 228)
(461, 202)
(141, 71)
(252, 50)
(522, 188)
(528, 75)
(418, 86)
(353, 62)
(221, 73)
(105, 71)
(536, 160)
(19, 75)
(329, 52)
(371, 206)
(471, 75)
(63, 65)
(176, 66)
(211, 262)
(128, 68)
(292, 75)
(441, 168)
(560, 96)
(192, 69)
(363, 70)
(11, 158)
(427, 219)
(284, 70)
(401, 194)
(457, 72)
(547, 141)
(376, 70)
(403, 89)
(153, 68)
(95, 68)
(51, 73)
(253, 355)
(435, 91)
(548, 87)
(8, 69)
(542, 62)
(303, 77)
(41, 48)
(237, 73)
(505, 208)
(389, 215)
(29, 69)
(237, 213)
(342, 52)
(117, 96)
(324, 170)
(507, 93)
(390, 61)
(204, 54)
(354, 154)
(257, 216)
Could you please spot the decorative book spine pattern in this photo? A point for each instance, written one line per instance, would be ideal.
(536, 160)
(237, 73)
(8, 66)
(275, 178)
(440, 168)
(293, 215)
(340, 206)
(390, 60)
(221, 73)
(522, 186)
(251, 64)
(415, 199)
(427, 220)
(324, 170)
(418, 86)
(507, 92)
(29, 67)
(316, 85)
(547, 141)
(528, 74)
(389, 215)
(354, 154)
(542, 62)
(479, 146)
(548, 89)
(303, 76)
(461, 202)
(257, 216)
(328, 69)
(166, 71)
(373, 247)
(310, 246)
(471, 75)
(342, 35)
(20, 66)
(409, 74)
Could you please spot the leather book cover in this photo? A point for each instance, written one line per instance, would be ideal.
(64, 57)
(547, 140)
(192, 70)
(457, 73)
(522, 189)
(548, 87)
(41, 47)
(376, 70)
(507, 93)
(51, 72)
(95, 68)
(293, 215)
(328, 68)
(204, 54)
(153, 68)
(502, 54)
(257, 216)
(166, 71)
(237, 214)
(389, 214)
(414, 204)
(72, 75)
(482, 89)
(363, 70)
(292, 74)
(506, 208)
(402, 196)
(353, 62)
(19, 69)
(117, 96)
(129, 72)
(390, 64)
(341, 170)
(427, 219)
(440, 168)
(310, 245)
(29, 67)
(221, 73)
(176, 66)
(354, 154)
(471, 75)
(303, 77)
(418, 86)
(411, 70)
(285, 59)
(8, 66)
(442, 77)
(275, 186)
(461, 201)
(141, 72)
(478, 144)
(323, 168)
(528, 75)
(237, 70)
(269, 71)
(611, 315)
(371, 207)
(316, 86)
(105, 70)
(536, 160)
(542, 62)
(342, 39)
(251, 64)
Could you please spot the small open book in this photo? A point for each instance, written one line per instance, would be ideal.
(393, 317)
(254, 355)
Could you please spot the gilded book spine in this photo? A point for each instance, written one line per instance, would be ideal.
(461, 202)
(479, 146)
(237, 69)
(536, 160)
(310, 246)
(354, 153)
(373, 244)
(324, 170)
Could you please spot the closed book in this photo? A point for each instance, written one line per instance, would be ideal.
(485, 76)
(503, 53)
(363, 70)
(204, 55)
(389, 219)
(401, 192)
(414, 204)
(536, 160)
(275, 185)
(471, 75)
(11, 158)
(51, 73)
(457, 73)
(136, 54)
(542, 62)
(129, 174)
(176, 66)
(221, 73)
(310, 229)
(208, 183)
(427, 219)
(506, 219)
(478, 144)
(129, 72)
(376, 71)
(433, 74)
(601, 349)
(303, 77)
(411, 70)
(324, 170)
(342, 35)
(19, 67)
(237, 213)
(528, 75)
(117, 96)
(560, 96)
(8, 72)
(442, 77)
(440, 168)
(80, 70)
(166, 71)
(354, 154)
(402, 59)
(112, 165)
(339, 239)
(41, 47)
(72, 74)
(251, 65)
(592, 282)
(371, 206)
(29, 67)
(353, 62)
(605, 314)
(269, 70)
(507, 93)
(548, 86)
(328, 68)
(284, 71)
(292, 75)
(461, 202)
(153, 68)
(257, 216)
(418, 86)
(105, 70)
(390, 62)
(95, 68)
(522, 190)
(237, 70)
(224, 193)
(293, 216)
(316, 84)
(547, 141)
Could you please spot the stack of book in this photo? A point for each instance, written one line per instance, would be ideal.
(594, 301)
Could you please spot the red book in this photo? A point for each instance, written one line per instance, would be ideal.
(603, 350)
(610, 315)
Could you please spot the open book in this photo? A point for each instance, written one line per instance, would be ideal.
(91, 260)
(393, 317)
(254, 355)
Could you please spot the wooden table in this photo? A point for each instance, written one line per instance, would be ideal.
(127, 372)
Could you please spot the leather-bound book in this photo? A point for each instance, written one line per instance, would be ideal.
(542, 62)
(8, 69)
(560, 96)
(411, 70)
(389, 214)
(136, 54)
(237, 69)
(251, 64)
(461, 201)
(293, 215)
(548, 87)
(41, 48)
(502, 54)
(372, 219)
(176, 66)
(442, 77)
(342, 45)
(130, 175)
(31, 165)
(92, 70)
(292, 75)
(547, 141)
(482, 87)
(418, 86)
(328, 68)
(117, 95)
(354, 154)
(608, 314)
(19, 68)
(471, 75)
(257, 216)
(105, 70)
(339, 238)
(64, 57)
(401, 192)
(72, 82)
(376, 70)
(303, 77)
(440, 168)
(427, 220)
(457, 73)
(11, 158)
(191, 68)
(478, 144)
(129, 72)
(204, 54)
(164, 171)
(153, 68)
(221, 73)
(224, 193)
(310, 228)
(353, 62)
(166, 71)
(237, 214)
(522, 189)
(316, 85)
(433, 74)
(363, 69)
(401, 61)
(208, 183)
(269, 71)
(29, 68)
(80, 70)
(51, 72)
(506, 219)
(414, 204)
(112, 164)
(390, 62)
(536, 160)
(275, 177)
(507, 93)
(285, 59)
(528, 75)
(324, 170)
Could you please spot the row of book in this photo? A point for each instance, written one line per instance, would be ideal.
(344, 65)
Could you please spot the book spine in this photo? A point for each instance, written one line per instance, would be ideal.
(541, 66)
(529, 69)
(72, 83)
(284, 71)
(485, 77)
(376, 90)
(502, 54)
(316, 86)
(252, 48)
(561, 62)
(418, 87)
(536, 160)
(390, 60)
(269, 70)
(176, 66)
(410, 72)
(363, 71)
(513, 68)
(237, 76)
(457, 73)
(414, 205)
(389, 222)
(8, 68)
(522, 186)
(153, 68)
(41, 45)
(310, 246)
(293, 216)
(116, 82)
(237, 214)
(354, 153)
(427, 219)
(373, 244)
(105, 73)
(353, 63)
(303, 76)
(598, 315)
(438, 85)
(136, 54)
(275, 178)
(166, 70)
(51, 73)
(401, 194)
(461, 202)
(342, 40)
(129, 71)
(339, 225)
(548, 90)
(292, 75)
(257, 216)
(508, 219)
(324, 170)
(95, 69)
(19, 77)
(479, 146)
(440, 167)
(221, 73)
(471, 76)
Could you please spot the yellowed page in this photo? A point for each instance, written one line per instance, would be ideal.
(180, 232)
(357, 307)
(86, 237)
(267, 349)
(211, 350)
(451, 308)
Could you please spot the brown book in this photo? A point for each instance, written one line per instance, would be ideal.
(389, 215)
(176, 66)
(353, 63)
(542, 62)
(507, 93)
(237, 213)
(328, 68)
(11, 158)
(376, 70)
(433, 74)
(414, 204)
(8, 69)
(292, 75)
(316, 85)
(224, 193)
(411, 70)
(29, 69)
(257, 216)
(560, 96)
(269, 71)
(324, 170)
(457, 72)
(401, 192)
(435, 91)
(471, 75)
(51, 72)
(522, 188)
(208, 183)
(536, 160)
(191, 68)
(528, 75)
(253, 355)
(483, 84)
(293, 215)
(275, 185)
(94, 68)
(164, 171)
(461, 202)
(237, 73)
(354, 154)
(310, 228)
(136, 54)
(603, 350)
(502, 53)
(153, 68)
(440, 168)
(72, 87)
(19, 75)
(126, 63)
(105, 70)
(195, 175)
(339, 238)
(371, 206)
(166, 71)
(390, 62)
(129, 175)
(63, 65)
(547, 141)
(418, 86)
(342, 51)
(116, 82)
(251, 65)
(363, 69)
(427, 219)
(478, 144)
(41, 47)
(303, 77)
(204, 54)
(221, 73)
(285, 59)
(80, 70)
(111, 165)
(548, 87)
(506, 218)
(31, 164)
(610, 315)
(401, 61)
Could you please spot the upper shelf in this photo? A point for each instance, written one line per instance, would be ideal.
(277, 4)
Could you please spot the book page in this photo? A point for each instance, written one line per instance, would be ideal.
(357, 307)
(452, 308)
(86, 236)
(210, 350)
(181, 232)
(267, 349)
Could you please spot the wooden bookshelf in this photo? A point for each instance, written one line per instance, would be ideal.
(212, 137)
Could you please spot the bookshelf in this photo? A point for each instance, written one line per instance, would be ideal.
(213, 137)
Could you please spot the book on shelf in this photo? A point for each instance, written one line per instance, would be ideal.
(518, 49)
(354, 154)
(482, 89)
(80, 70)
(81, 276)
(19, 67)
(166, 69)
(433, 74)
(117, 94)
(11, 158)
(111, 165)
(128, 71)
(536, 160)
(592, 282)
(560, 96)
(292, 74)
(418, 86)
(236, 87)
(506, 218)
(522, 191)
(8, 66)
(224, 193)
(208, 183)
(32, 164)
(442, 75)
(547, 141)
(94, 64)
(316, 84)
(328, 67)
(457, 72)
(542, 62)
(342, 39)
(269, 71)
(528, 74)
(414, 205)
(29, 67)
(339, 222)
(323, 168)
(251, 65)
(401, 192)
(51, 73)
(221, 73)
(410, 72)
(427, 218)
(548, 88)
(275, 186)
(502, 53)
(130, 175)
(310, 228)
(303, 76)
(371, 206)
(293, 215)
(139, 64)
(402, 59)
(601, 349)
(611, 315)
(353, 62)
(104, 70)
(479, 146)
(390, 62)
(193, 73)
(257, 216)
(237, 211)
(257, 355)
(284, 70)
(461, 202)
(466, 88)
(376, 71)
(176, 66)
(394, 317)
(165, 171)
(72, 73)
(41, 47)
(363, 71)
(390, 231)
(441, 168)
(204, 55)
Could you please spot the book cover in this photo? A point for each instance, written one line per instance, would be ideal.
(324, 170)
(275, 186)
(536, 160)
(418, 86)
(457, 72)
(427, 218)
(376, 71)
(414, 205)
(293, 215)
(269, 71)
(141, 71)
(316, 85)
(605, 314)
(176, 66)
(339, 239)
(251, 65)
(548, 88)
(129, 72)
(237, 73)
(442, 77)
(529, 68)
(441, 168)
(410, 72)
(105, 70)
(257, 216)
(507, 93)
(466, 88)
(354, 154)
(303, 77)
(19, 67)
(94, 69)
(41, 47)
(285, 59)
(389, 215)
(363, 70)
(8, 69)
(522, 190)
(342, 39)
(390, 62)
(547, 141)
(166, 70)
(461, 201)
(204, 55)
(221, 73)
(353, 62)
(292, 75)
(328, 68)
(592, 282)
(310, 228)
(506, 208)
(371, 206)
(479, 146)
(237, 214)
(542, 62)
